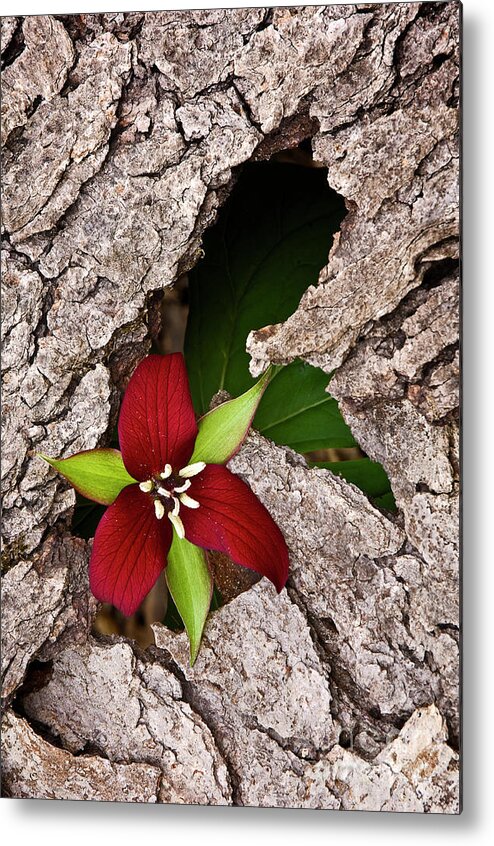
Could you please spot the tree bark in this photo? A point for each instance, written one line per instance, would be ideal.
(121, 134)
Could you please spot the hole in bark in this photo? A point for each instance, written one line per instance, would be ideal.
(271, 239)
(438, 272)
(345, 739)
(440, 59)
(37, 676)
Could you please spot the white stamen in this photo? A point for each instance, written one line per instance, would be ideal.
(164, 492)
(176, 506)
(186, 485)
(146, 487)
(177, 524)
(166, 472)
(159, 509)
(188, 501)
(192, 469)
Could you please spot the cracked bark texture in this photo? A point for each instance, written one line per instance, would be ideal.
(121, 135)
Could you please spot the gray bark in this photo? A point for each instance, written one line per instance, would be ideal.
(120, 134)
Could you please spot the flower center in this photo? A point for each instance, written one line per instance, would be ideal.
(169, 493)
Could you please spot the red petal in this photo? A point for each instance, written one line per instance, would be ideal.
(157, 425)
(231, 519)
(129, 551)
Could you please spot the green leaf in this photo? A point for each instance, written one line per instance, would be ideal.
(98, 474)
(269, 244)
(369, 476)
(222, 430)
(297, 411)
(190, 584)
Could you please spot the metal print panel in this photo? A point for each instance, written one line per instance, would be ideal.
(231, 415)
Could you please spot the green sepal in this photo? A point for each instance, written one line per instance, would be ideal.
(191, 585)
(223, 429)
(97, 474)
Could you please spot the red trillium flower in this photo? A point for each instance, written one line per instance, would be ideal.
(205, 503)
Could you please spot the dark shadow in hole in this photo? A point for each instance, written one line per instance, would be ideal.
(269, 243)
